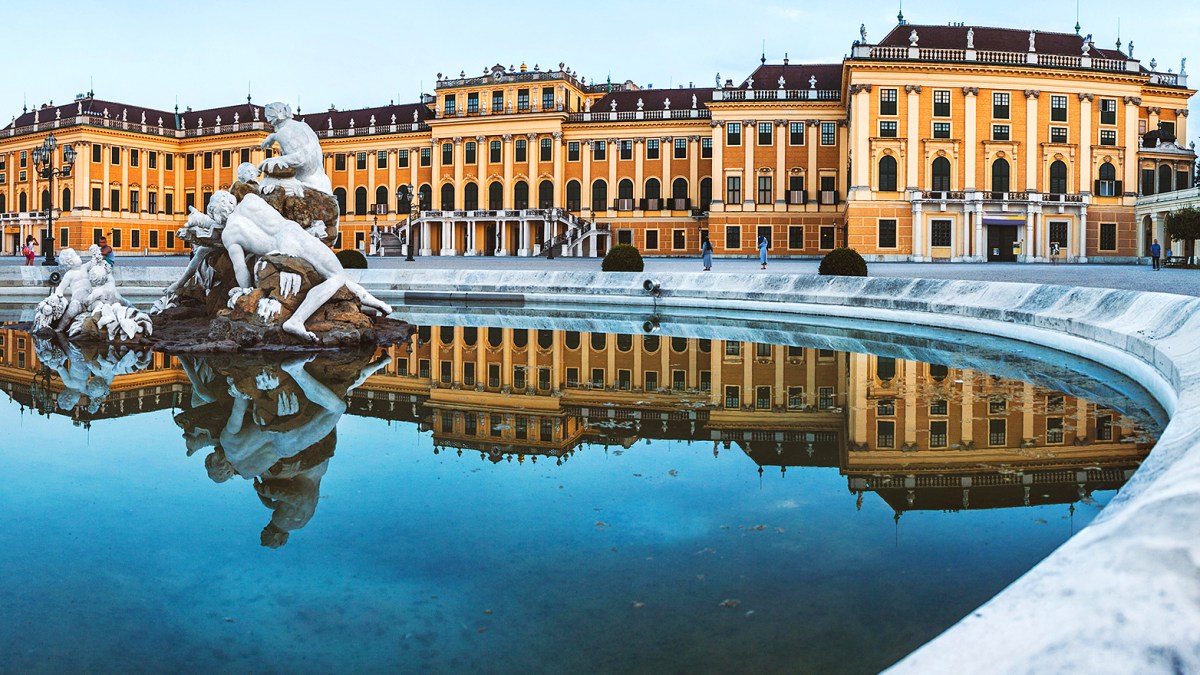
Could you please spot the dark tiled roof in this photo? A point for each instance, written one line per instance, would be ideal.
(245, 113)
(96, 108)
(995, 39)
(654, 99)
(362, 116)
(796, 76)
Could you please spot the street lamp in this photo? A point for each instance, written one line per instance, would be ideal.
(405, 202)
(43, 161)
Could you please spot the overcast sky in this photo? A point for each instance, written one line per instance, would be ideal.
(355, 53)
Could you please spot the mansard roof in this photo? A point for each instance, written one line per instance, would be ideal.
(93, 107)
(995, 39)
(340, 119)
(190, 119)
(796, 76)
(654, 99)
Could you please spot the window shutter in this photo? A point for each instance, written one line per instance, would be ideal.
(1120, 189)
(1096, 188)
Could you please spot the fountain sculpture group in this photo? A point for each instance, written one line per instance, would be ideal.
(262, 271)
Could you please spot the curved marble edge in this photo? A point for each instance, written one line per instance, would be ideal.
(1122, 595)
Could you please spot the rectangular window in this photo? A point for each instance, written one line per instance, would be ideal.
(402, 159)
(518, 377)
(887, 233)
(624, 379)
(937, 434)
(521, 427)
(679, 239)
(135, 201)
(763, 231)
(245, 156)
(1000, 132)
(522, 100)
(733, 189)
(824, 398)
(469, 154)
(1054, 430)
(1059, 229)
(426, 156)
(152, 160)
(170, 239)
(733, 133)
(939, 407)
(447, 155)
(762, 398)
(115, 157)
(572, 377)
(1108, 111)
(543, 379)
(547, 98)
(795, 236)
(521, 151)
(471, 424)
(678, 380)
(766, 133)
(941, 130)
(96, 199)
(495, 424)
(451, 105)
(733, 397)
(706, 381)
(626, 149)
(497, 101)
(114, 199)
(733, 348)
(152, 202)
(764, 190)
(381, 159)
(153, 238)
(1058, 108)
(189, 162)
(226, 159)
(116, 239)
(796, 133)
(1000, 105)
(680, 148)
(545, 150)
(473, 103)
(1108, 236)
(1058, 134)
(135, 239)
(997, 406)
(170, 163)
(941, 103)
(494, 156)
(573, 151)
(64, 237)
(493, 375)
(1108, 137)
(652, 148)
(208, 160)
(887, 101)
(885, 436)
(169, 203)
(95, 153)
(887, 128)
(650, 377)
(795, 398)
(828, 133)
(339, 161)
(885, 407)
(597, 380)
(1104, 428)
(652, 239)
(997, 431)
(189, 202)
(706, 147)
(599, 151)
(940, 233)
(733, 237)
(134, 157)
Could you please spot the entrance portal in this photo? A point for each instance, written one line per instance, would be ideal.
(1000, 241)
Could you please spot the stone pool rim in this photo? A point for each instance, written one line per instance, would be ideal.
(1122, 595)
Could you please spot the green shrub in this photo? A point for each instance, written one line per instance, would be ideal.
(843, 262)
(623, 258)
(352, 260)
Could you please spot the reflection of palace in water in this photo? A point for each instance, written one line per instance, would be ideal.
(921, 436)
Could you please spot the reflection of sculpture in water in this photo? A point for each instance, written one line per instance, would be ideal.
(274, 423)
(89, 370)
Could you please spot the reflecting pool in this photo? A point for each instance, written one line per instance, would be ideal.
(499, 498)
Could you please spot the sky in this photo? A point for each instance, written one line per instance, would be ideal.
(356, 53)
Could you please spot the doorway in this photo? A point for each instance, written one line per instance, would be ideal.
(1000, 242)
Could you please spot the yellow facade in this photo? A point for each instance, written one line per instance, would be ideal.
(897, 151)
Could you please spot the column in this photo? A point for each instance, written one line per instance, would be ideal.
(610, 156)
(967, 412)
(749, 139)
(83, 162)
(458, 172)
(393, 158)
(1032, 125)
(1130, 143)
(694, 170)
(560, 186)
(780, 138)
(503, 243)
(372, 163)
(718, 165)
(585, 190)
(861, 105)
(913, 170)
(970, 132)
(425, 248)
(106, 190)
(1084, 168)
(1081, 236)
(910, 401)
(918, 233)
(508, 171)
(812, 182)
(639, 169)
(533, 152)
(435, 175)
(668, 155)
(714, 364)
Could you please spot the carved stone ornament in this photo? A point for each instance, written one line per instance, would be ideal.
(970, 91)
(1132, 100)
(912, 88)
(1086, 97)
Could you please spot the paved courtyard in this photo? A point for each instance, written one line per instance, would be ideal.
(1134, 277)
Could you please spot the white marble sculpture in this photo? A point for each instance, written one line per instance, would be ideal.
(300, 166)
(971, 38)
(254, 227)
(89, 291)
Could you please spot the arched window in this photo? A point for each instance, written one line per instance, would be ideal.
(495, 336)
(23, 202)
(360, 200)
(1107, 184)
(885, 367)
(571, 339)
(1000, 175)
(446, 333)
(425, 197)
(678, 345)
(381, 196)
(546, 195)
(66, 200)
(574, 195)
(520, 337)
(624, 342)
(679, 188)
(3, 203)
(705, 193)
(941, 175)
(496, 196)
(1165, 174)
(1058, 177)
(1108, 171)
(887, 174)
(599, 341)
(599, 195)
(448, 196)
(46, 204)
(653, 189)
(650, 343)
(340, 195)
(625, 189)
(545, 338)
(938, 372)
(521, 195)
(470, 335)
(471, 197)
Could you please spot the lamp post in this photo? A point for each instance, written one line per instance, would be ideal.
(405, 201)
(43, 161)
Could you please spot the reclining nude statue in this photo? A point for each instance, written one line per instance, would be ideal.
(254, 227)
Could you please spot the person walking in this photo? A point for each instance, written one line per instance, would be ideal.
(763, 244)
(1155, 249)
(706, 252)
(29, 250)
(107, 252)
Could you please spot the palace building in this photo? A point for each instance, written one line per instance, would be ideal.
(948, 143)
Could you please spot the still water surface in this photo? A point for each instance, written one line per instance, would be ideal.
(500, 500)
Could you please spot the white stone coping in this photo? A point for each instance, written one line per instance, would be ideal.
(1122, 595)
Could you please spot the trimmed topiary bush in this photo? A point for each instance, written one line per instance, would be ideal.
(623, 258)
(843, 262)
(352, 260)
